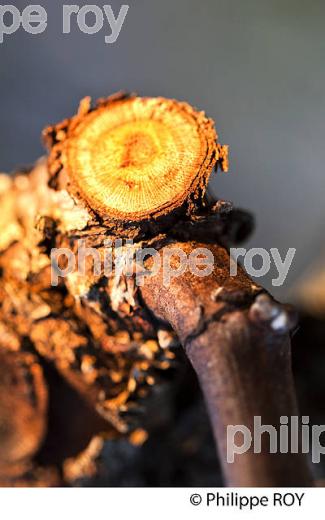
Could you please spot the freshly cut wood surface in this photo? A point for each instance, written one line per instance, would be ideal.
(134, 158)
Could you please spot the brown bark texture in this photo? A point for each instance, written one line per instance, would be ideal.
(132, 168)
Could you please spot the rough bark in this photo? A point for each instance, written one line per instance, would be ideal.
(110, 342)
(237, 339)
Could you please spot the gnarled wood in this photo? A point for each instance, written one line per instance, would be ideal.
(140, 166)
(237, 339)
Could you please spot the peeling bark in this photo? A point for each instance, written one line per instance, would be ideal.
(109, 341)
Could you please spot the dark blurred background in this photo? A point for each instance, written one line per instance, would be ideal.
(255, 66)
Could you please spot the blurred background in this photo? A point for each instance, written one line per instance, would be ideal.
(255, 66)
